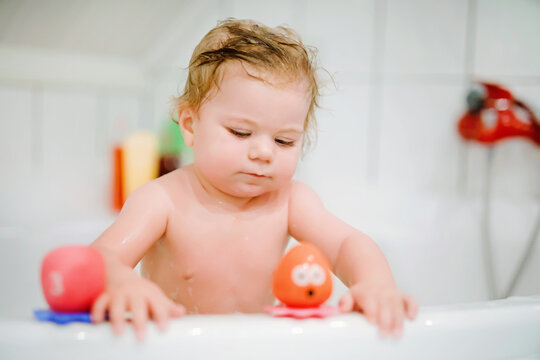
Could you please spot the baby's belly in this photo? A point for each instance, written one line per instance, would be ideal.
(225, 281)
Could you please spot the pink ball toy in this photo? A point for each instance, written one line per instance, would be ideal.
(72, 277)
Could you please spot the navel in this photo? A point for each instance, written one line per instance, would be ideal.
(188, 276)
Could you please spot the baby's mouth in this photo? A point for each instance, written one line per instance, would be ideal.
(256, 175)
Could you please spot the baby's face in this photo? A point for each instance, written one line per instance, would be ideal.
(248, 136)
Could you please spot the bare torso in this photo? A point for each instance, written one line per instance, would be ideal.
(214, 258)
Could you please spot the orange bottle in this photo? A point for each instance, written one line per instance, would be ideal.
(117, 198)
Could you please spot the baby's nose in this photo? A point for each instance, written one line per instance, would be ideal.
(261, 149)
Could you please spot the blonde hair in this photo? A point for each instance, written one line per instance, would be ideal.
(278, 51)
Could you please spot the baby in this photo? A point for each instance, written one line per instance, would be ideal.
(210, 234)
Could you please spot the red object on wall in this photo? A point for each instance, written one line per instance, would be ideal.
(72, 277)
(492, 116)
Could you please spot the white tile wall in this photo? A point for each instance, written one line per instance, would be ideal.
(516, 169)
(419, 144)
(507, 38)
(343, 33)
(17, 128)
(338, 155)
(122, 115)
(279, 12)
(511, 225)
(69, 131)
(425, 36)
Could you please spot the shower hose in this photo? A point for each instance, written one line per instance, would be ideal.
(487, 241)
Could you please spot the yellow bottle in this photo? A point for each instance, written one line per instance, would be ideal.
(140, 159)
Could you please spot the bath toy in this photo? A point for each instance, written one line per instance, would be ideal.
(302, 282)
(72, 277)
(62, 318)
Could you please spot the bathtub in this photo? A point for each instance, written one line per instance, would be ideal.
(503, 329)
(454, 320)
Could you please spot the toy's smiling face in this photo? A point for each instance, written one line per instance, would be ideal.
(302, 278)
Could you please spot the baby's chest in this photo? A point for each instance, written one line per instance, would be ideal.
(227, 242)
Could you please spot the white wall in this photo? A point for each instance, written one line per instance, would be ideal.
(388, 159)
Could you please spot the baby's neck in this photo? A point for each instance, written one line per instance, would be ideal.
(212, 196)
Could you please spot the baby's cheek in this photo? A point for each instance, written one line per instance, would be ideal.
(288, 166)
(214, 159)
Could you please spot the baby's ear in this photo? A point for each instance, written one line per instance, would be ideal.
(186, 118)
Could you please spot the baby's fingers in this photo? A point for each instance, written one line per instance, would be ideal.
(117, 313)
(364, 303)
(411, 307)
(176, 310)
(139, 313)
(159, 306)
(399, 315)
(99, 307)
(385, 317)
(346, 303)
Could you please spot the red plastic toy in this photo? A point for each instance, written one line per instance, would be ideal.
(302, 282)
(72, 277)
(492, 115)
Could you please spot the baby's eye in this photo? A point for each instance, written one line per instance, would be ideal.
(284, 142)
(239, 133)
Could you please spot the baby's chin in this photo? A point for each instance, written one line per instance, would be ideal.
(247, 190)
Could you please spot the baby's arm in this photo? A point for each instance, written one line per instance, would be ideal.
(141, 222)
(356, 260)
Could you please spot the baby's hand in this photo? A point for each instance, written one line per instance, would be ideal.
(142, 298)
(384, 306)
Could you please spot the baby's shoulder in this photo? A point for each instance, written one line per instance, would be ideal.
(299, 189)
(302, 197)
(174, 178)
(176, 184)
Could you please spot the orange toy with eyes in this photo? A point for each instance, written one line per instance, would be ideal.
(302, 282)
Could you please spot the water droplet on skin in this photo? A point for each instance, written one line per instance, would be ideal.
(190, 291)
(174, 294)
(190, 280)
(127, 239)
(196, 309)
(310, 258)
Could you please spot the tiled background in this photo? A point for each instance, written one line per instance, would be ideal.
(388, 158)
